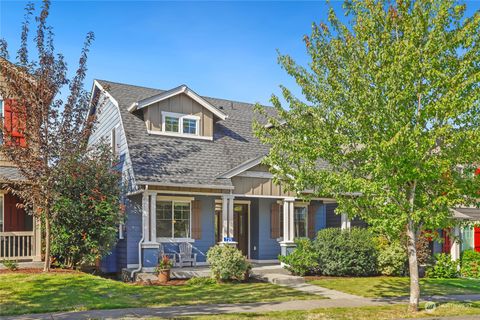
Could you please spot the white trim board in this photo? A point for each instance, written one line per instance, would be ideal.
(241, 168)
(173, 92)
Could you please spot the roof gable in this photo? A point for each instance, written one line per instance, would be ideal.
(173, 92)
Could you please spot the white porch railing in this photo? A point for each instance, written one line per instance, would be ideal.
(17, 245)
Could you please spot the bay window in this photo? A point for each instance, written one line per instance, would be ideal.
(173, 219)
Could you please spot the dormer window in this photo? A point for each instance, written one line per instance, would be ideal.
(180, 123)
(172, 123)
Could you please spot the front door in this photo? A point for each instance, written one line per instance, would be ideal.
(240, 227)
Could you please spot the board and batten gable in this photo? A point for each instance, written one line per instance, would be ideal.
(257, 181)
(181, 104)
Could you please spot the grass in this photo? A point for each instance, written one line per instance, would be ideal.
(36, 293)
(361, 313)
(398, 286)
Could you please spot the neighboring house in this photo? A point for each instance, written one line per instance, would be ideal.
(20, 236)
(469, 235)
(192, 173)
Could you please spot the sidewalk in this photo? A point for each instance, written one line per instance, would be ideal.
(179, 311)
(202, 309)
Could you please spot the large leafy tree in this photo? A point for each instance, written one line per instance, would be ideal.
(50, 112)
(391, 102)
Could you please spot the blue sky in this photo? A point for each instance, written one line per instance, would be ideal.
(220, 49)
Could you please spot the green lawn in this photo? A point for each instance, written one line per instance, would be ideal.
(362, 313)
(36, 293)
(398, 286)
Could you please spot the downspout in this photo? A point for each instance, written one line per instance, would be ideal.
(132, 274)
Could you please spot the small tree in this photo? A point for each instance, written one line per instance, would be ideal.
(47, 128)
(87, 207)
(391, 102)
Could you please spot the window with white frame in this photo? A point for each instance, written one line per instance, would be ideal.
(300, 215)
(300, 220)
(115, 140)
(180, 123)
(173, 219)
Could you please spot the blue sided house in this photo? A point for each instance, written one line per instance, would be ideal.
(193, 173)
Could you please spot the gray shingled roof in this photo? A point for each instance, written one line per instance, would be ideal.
(10, 174)
(172, 160)
(471, 213)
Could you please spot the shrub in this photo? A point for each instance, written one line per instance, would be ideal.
(227, 263)
(392, 258)
(87, 208)
(444, 267)
(346, 252)
(303, 260)
(197, 281)
(470, 264)
(10, 264)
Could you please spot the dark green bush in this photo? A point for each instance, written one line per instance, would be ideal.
(470, 264)
(346, 252)
(303, 260)
(443, 268)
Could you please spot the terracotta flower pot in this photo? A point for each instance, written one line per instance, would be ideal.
(164, 275)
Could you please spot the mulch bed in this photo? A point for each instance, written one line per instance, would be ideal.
(173, 282)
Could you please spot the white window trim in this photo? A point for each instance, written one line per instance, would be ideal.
(173, 200)
(114, 134)
(180, 135)
(180, 117)
(301, 205)
(120, 231)
(297, 204)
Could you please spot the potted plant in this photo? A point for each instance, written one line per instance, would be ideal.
(163, 269)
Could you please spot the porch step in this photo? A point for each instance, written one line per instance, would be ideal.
(280, 279)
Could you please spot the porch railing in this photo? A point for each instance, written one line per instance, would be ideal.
(17, 245)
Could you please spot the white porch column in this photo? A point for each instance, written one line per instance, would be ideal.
(288, 243)
(455, 247)
(37, 239)
(153, 217)
(146, 216)
(345, 221)
(227, 218)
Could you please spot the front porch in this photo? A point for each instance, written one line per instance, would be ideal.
(20, 236)
(261, 227)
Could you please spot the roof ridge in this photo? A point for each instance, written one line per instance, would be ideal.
(205, 97)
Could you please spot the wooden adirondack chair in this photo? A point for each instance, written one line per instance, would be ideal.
(185, 254)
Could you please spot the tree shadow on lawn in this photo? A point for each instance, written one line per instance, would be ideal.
(47, 292)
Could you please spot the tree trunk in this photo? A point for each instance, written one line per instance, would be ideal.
(413, 267)
(46, 267)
